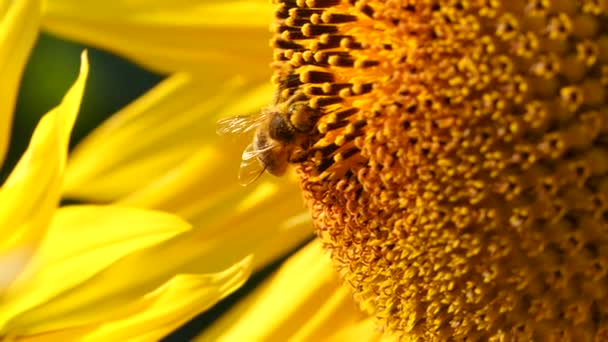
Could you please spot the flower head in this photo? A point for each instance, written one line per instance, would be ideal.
(455, 171)
(458, 170)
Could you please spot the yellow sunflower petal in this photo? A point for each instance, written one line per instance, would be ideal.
(157, 132)
(181, 166)
(212, 38)
(266, 219)
(174, 304)
(82, 242)
(223, 238)
(258, 221)
(19, 22)
(31, 193)
(161, 311)
(12, 263)
(56, 336)
(303, 301)
(366, 330)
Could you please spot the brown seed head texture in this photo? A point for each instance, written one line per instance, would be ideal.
(458, 173)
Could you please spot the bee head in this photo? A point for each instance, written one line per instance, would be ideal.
(303, 117)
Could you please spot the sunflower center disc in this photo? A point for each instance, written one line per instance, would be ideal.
(458, 173)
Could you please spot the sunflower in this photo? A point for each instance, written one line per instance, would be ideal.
(455, 170)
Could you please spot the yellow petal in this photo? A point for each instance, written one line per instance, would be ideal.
(55, 336)
(146, 140)
(174, 303)
(366, 330)
(162, 153)
(19, 23)
(69, 274)
(261, 223)
(258, 219)
(12, 264)
(32, 190)
(266, 219)
(100, 297)
(211, 38)
(164, 309)
(303, 301)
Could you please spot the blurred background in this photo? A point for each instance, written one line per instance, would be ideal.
(112, 83)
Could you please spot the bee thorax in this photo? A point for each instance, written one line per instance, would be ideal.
(280, 129)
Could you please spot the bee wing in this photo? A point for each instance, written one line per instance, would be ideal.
(250, 171)
(251, 168)
(251, 152)
(238, 124)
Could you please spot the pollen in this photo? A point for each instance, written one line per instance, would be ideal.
(458, 170)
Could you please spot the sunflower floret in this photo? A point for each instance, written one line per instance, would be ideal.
(458, 173)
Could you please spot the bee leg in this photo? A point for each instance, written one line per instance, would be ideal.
(296, 97)
(298, 155)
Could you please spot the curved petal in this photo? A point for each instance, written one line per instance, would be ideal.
(173, 304)
(159, 312)
(211, 38)
(32, 191)
(81, 244)
(19, 23)
(147, 139)
(317, 305)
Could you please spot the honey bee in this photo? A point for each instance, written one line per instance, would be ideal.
(281, 136)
